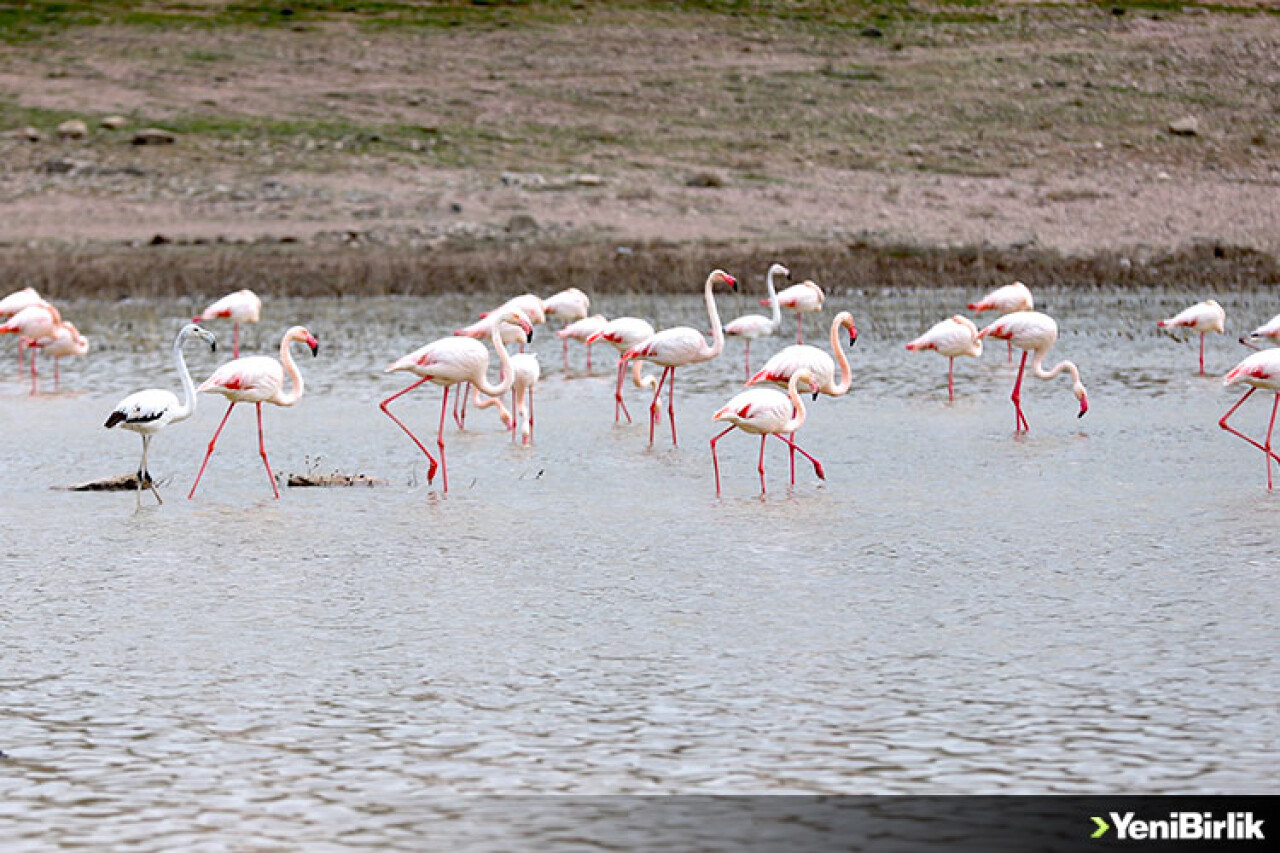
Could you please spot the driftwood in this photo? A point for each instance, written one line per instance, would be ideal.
(334, 480)
(121, 483)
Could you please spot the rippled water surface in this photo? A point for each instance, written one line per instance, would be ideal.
(1091, 607)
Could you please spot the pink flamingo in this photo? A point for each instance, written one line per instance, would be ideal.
(243, 306)
(15, 302)
(1269, 329)
(1006, 300)
(1260, 370)
(803, 298)
(752, 326)
(622, 334)
(510, 333)
(953, 338)
(257, 379)
(452, 361)
(569, 305)
(30, 324)
(765, 412)
(581, 331)
(1203, 317)
(147, 412)
(779, 369)
(1031, 331)
(66, 340)
(680, 345)
(527, 374)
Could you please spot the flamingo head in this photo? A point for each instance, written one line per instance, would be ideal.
(846, 320)
(516, 318)
(805, 379)
(1079, 391)
(779, 269)
(202, 333)
(722, 277)
(298, 333)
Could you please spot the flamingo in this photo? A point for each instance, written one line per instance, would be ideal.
(569, 305)
(452, 361)
(1260, 370)
(752, 326)
(622, 334)
(953, 338)
(1269, 329)
(1006, 300)
(1203, 317)
(765, 412)
(582, 330)
(66, 340)
(779, 369)
(243, 306)
(147, 412)
(1033, 331)
(479, 330)
(680, 345)
(527, 304)
(257, 379)
(527, 373)
(30, 324)
(803, 298)
(15, 302)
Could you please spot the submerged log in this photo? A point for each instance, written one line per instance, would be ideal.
(334, 480)
(121, 483)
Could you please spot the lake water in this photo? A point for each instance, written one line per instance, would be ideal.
(1090, 607)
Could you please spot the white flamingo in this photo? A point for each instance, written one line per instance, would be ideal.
(752, 326)
(765, 412)
(66, 340)
(243, 306)
(582, 331)
(1259, 371)
(1006, 300)
(953, 337)
(569, 305)
(1203, 317)
(803, 298)
(1031, 331)
(779, 369)
(622, 333)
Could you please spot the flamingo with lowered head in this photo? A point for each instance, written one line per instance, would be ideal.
(622, 333)
(1259, 371)
(569, 305)
(257, 379)
(581, 331)
(66, 340)
(1006, 300)
(243, 306)
(453, 361)
(779, 369)
(953, 338)
(765, 412)
(1203, 317)
(15, 302)
(752, 326)
(803, 298)
(678, 346)
(147, 412)
(1031, 331)
(30, 324)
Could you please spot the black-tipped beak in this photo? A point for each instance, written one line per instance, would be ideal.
(815, 395)
(315, 348)
(213, 346)
(853, 338)
(528, 338)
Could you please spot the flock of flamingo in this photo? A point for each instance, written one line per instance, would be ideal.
(463, 360)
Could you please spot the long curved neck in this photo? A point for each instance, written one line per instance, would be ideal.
(286, 358)
(188, 407)
(717, 331)
(797, 405)
(506, 376)
(773, 302)
(846, 375)
(1038, 369)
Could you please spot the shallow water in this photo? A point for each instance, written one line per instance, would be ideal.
(1090, 607)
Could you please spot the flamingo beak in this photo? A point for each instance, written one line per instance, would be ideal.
(314, 344)
(815, 393)
(733, 283)
(196, 319)
(853, 337)
(213, 345)
(1084, 406)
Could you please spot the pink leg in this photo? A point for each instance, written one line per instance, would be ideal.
(530, 439)
(466, 397)
(795, 448)
(618, 402)
(951, 382)
(1017, 397)
(56, 361)
(457, 418)
(1270, 426)
(671, 405)
(34, 380)
(747, 361)
(760, 464)
(715, 462)
(1223, 423)
(212, 442)
(1202, 370)
(235, 347)
(515, 416)
(431, 462)
(262, 451)
(1009, 347)
(588, 358)
(653, 405)
(565, 343)
(444, 467)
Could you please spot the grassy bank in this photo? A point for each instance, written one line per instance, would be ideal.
(167, 271)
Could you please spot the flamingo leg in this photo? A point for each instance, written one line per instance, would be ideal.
(515, 415)
(617, 393)
(715, 461)
(790, 441)
(529, 440)
(1223, 423)
(1017, 397)
(431, 461)
(951, 382)
(56, 362)
(34, 379)
(653, 405)
(144, 475)
(564, 342)
(747, 360)
(1009, 346)
(1202, 372)
(212, 442)
(760, 464)
(262, 451)
(1270, 426)
(588, 358)
(671, 405)
(444, 468)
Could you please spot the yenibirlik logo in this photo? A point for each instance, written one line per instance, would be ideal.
(1183, 826)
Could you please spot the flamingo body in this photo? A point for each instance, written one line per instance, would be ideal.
(1006, 300)
(31, 324)
(749, 327)
(243, 306)
(953, 338)
(1259, 371)
(66, 340)
(803, 298)
(1203, 318)
(1034, 332)
(568, 305)
(623, 333)
(19, 299)
(765, 412)
(779, 369)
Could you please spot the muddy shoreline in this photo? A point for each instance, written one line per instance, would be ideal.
(301, 270)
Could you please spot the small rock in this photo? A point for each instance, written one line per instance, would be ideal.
(915, 150)
(113, 122)
(522, 179)
(28, 133)
(154, 136)
(57, 167)
(871, 33)
(159, 240)
(1185, 126)
(704, 179)
(520, 223)
(455, 207)
(73, 129)
(1163, 176)
(588, 180)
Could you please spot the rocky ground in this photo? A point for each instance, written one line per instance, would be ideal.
(1065, 131)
